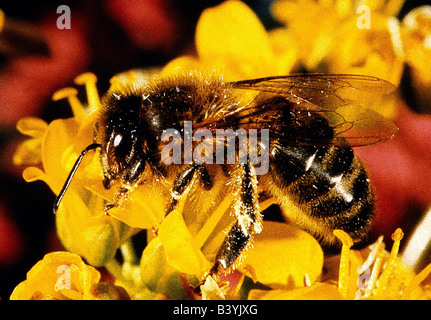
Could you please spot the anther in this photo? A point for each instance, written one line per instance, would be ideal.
(89, 80)
(71, 95)
(390, 264)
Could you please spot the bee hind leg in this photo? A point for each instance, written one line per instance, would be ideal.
(248, 221)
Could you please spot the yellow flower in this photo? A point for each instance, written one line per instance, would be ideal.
(371, 273)
(231, 39)
(82, 224)
(332, 37)
(63, 276)
(28, 153)
(282, 255)
(376, 51)
(416, 36)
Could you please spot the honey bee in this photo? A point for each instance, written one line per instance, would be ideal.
(313, 121)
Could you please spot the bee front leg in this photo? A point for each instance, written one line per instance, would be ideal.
(248, 220)
(183, 182)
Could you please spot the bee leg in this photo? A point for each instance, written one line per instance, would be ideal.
(119, 198)
(183, 182)
(248, 221)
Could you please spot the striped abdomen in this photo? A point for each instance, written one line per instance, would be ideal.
(321, 187)
(328, 184)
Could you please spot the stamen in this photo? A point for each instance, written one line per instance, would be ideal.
(89, 80)
(390, 265)
(344, 273)
(371, 257)
(376, 270)
(421, 276)
(71, 95)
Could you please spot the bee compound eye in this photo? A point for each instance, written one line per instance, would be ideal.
(117, 140)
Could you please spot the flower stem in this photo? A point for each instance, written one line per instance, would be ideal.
(128, 252)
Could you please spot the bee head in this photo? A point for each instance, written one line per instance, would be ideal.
(121, 132)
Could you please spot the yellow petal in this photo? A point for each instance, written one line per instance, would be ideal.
(58, 138)
(231, 34)
(285, 11)
(372, 51)
(84, 228)
(416, 37)
(231, 29)
(59, 275)
(285, 50)
(389, 8)
(181, 251)
(157, 275)
(33, 127)
(211, 290)
(62, 144)
(181, 64)
(284, 255)
(28, 153)
(144, 207)
(32, 174)
(319, 291)
(312, 25)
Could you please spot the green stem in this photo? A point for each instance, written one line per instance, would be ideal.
(128, 252)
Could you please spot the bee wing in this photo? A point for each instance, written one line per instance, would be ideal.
(326, 92)
(346, 100)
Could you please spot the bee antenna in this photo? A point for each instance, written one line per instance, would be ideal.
(72, 173)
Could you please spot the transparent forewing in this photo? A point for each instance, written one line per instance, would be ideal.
(323, 91)
(355, 126)
(347, 101)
